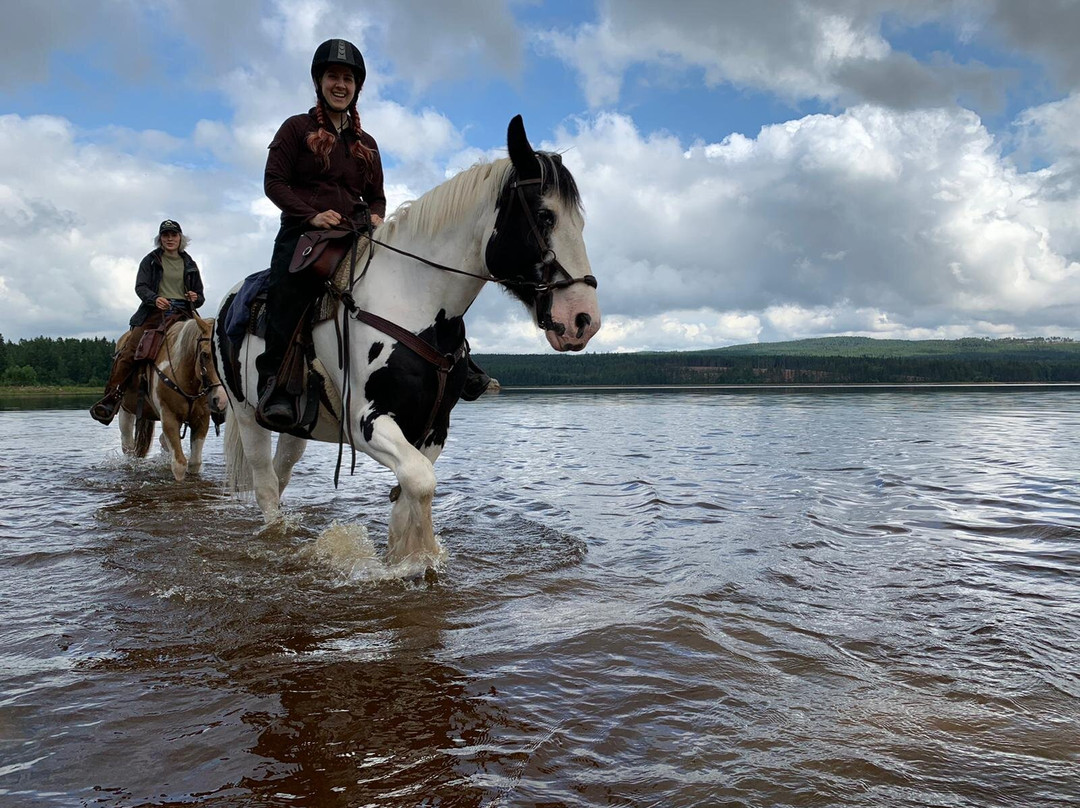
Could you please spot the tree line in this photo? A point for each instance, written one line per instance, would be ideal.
(46, 361)
(49, 362)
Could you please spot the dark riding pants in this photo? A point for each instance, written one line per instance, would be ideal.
(287, 295)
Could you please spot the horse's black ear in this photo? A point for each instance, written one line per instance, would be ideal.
(521, 151)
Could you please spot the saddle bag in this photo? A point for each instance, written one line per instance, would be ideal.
(152, 338)
(321, 251)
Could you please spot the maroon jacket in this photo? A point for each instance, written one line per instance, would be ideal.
(296, 182)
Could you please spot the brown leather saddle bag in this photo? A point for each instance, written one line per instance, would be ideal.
(152, 338)
(321, 251)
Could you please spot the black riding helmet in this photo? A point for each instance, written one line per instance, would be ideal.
(338, 52)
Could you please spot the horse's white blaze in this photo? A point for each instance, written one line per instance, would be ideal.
(575, 309)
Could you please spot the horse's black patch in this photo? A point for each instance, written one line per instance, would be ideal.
(374, 351)
(512, 253)
(407, 385)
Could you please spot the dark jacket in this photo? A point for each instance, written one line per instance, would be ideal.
(148, 281)
(296, 182)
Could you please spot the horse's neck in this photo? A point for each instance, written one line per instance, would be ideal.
(410, 292)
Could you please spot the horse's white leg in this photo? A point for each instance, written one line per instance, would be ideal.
(256, 442)
(170, 430)
(127, 431)
(289, 451)
(412, 535)
(200, 425)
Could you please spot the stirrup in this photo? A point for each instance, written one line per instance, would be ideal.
(276, 410)
(105, 410)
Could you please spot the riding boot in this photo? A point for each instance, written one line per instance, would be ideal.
(105, 410)
(287, 297)
(123, 363)
(476, 382)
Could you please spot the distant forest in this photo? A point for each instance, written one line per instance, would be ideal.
(48, 362)
(44, 361)
(828, 360)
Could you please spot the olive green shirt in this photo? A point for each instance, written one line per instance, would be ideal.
(172, 280)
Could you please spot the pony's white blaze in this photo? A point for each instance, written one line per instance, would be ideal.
(575, 309)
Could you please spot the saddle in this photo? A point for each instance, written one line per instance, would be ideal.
(152, 338)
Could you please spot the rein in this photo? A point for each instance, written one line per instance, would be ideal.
(548, 259)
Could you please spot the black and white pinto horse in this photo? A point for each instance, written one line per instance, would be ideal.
(516, 222)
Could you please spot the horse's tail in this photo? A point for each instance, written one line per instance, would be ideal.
(237, 469)
(144, 435)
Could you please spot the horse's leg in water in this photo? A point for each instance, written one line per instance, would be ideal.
(289, 450)
(127, 431)
(256, 442)
(199, 426)
(170, 431)
(412, 535)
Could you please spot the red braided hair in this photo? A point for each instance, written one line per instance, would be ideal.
(322, 140)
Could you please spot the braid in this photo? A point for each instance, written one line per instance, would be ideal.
(359, 150)
(322, 140)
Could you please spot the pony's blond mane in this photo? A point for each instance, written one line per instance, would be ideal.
(450, 202)
(186, 341)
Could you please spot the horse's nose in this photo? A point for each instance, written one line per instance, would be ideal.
(582, 321)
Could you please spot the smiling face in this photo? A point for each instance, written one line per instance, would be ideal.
(338, 86)
(170, 241)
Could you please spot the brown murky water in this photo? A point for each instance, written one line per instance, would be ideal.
(678, 599)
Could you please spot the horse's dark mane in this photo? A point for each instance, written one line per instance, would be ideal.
(555, 176)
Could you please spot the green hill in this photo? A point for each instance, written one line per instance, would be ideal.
(827, 360)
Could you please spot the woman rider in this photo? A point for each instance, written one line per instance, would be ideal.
(322, 169)
(168, 282)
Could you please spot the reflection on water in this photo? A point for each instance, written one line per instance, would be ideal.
(686, 599)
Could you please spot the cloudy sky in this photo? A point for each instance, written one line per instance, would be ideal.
(751, 171)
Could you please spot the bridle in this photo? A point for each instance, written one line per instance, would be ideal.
(549, 261)
(201, 372)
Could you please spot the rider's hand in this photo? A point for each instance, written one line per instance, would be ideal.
(192, 296)
(376, 219)
(162, 303)
(326, 219)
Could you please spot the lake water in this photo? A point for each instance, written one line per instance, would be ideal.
(649, 599)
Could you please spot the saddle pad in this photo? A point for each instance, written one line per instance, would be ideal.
(238, 316)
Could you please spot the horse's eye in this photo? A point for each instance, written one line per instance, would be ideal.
(546, 218)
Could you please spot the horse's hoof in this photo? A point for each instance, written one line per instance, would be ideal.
(395, 492)
(430, 576)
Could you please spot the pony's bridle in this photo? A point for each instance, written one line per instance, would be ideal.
(549, 262)
(201, 371)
